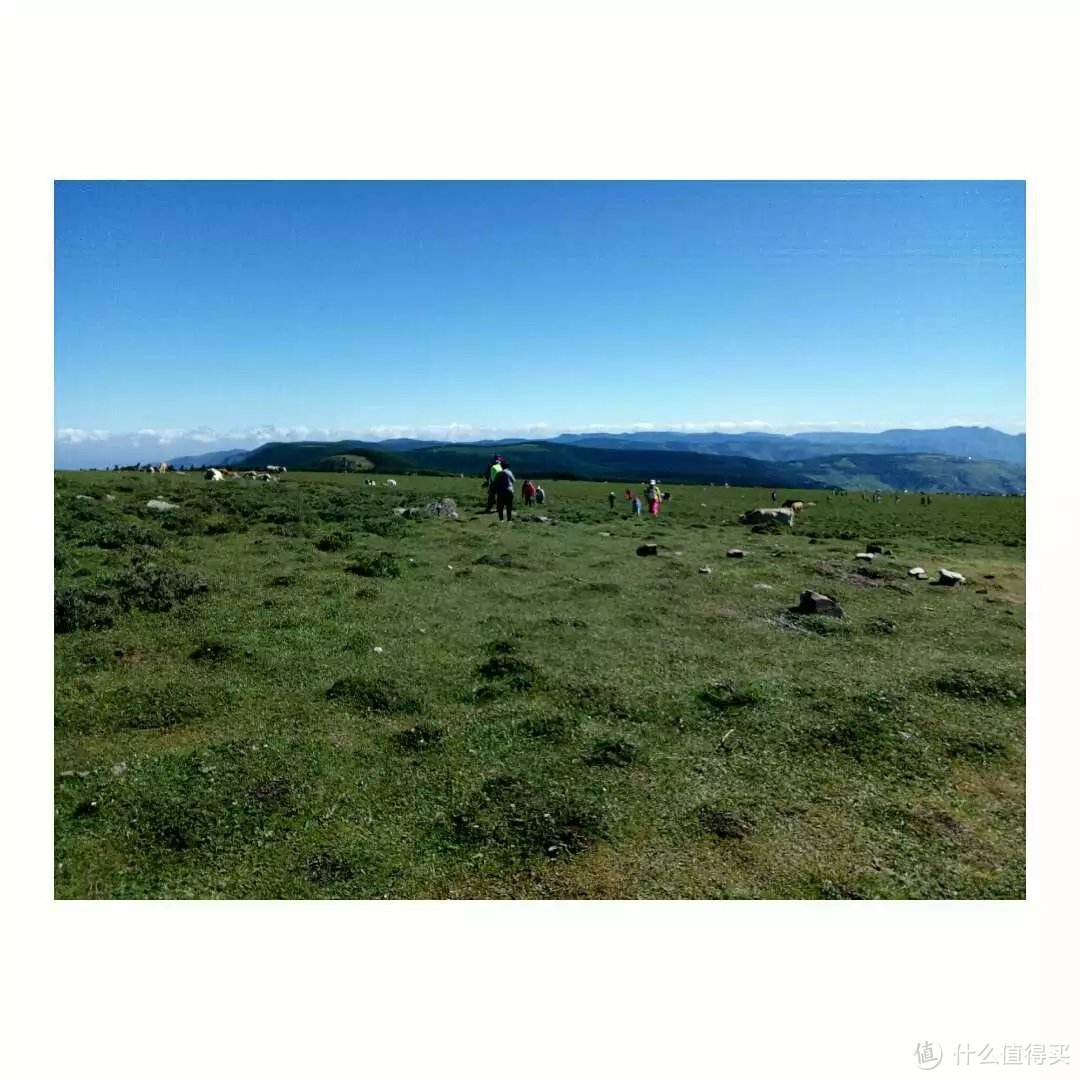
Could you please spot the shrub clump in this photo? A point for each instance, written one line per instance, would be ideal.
(985, 686)
(364, 694)
(213, 652)
(151, 709)
(726, 695)
(612, 752)
(551, 726)
(119, 536)
(520, 820)
(422, 736)
(149, 587)
(723, 824)
(83, 609)
(333, 541)
(382, 565)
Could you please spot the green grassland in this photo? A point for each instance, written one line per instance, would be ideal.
(285, 690)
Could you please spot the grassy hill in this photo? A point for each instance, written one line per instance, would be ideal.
(632, 465)
(288, 690)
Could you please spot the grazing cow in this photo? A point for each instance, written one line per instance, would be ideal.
(768, 513)
(275, 468)
(793, 504)
(212, 474)
(391, 483)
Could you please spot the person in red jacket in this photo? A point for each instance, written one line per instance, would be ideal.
(528, 492)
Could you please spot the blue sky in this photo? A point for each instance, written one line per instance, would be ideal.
(226, 312)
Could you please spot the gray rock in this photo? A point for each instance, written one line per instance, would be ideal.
(917, 571)
(86, 498)
(705, 570)
(950, 577)
(762, 586)
(866, 556)
(444, 508)
(160, 504)
(815, 603)
(648, 549)
(736, 553)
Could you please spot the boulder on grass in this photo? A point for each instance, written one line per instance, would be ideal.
(736, 553)
(444, 508)
(815, 603)
(917, 571)
(648, 549)
(950, 577)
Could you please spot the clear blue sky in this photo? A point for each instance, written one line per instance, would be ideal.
(354, 306)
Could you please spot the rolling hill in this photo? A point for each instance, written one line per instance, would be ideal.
(553, 459)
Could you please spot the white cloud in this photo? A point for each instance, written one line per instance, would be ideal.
(78, 435)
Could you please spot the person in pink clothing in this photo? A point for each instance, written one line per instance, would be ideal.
(652, 497)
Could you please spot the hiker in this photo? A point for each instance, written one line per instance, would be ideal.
(635, 505)
(611, 499)
(774, 496)
(493, 470)
(652, 497)
(528, 492)
(504, 492)
(540, 496)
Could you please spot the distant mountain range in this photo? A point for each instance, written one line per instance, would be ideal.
(631, 459)
(981, 443)
(954, 458)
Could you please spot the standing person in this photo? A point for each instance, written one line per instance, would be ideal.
(652, 497)
(504, 492)
(635, 505)
(611, 499)
(493, 470)
(540, 496)
(774, 496)
(528, 491)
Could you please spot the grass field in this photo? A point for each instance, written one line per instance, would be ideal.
(285, 690)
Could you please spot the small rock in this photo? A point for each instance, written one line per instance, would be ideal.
(950, 577)
(605, 534)
(916, 571)
(378, 648)
(815, 603)
(160, 504)
(111, 498)
(119, 768)
(866, 556)
(736, 553)
(401, 511)
(761, 586)
(648, 549)
(85, 498)
(875, 549)
(705, 570)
